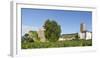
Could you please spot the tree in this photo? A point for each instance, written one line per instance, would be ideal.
(76, 36)
(27, 37)
(52, 30)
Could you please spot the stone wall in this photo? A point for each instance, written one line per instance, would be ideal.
(41, 34)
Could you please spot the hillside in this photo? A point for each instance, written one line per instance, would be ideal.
(69, 36)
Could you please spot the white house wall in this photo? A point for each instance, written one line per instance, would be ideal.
(88, 35)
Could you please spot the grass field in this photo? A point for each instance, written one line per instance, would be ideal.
(71, 43)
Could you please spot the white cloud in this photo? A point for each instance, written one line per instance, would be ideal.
(26, 28)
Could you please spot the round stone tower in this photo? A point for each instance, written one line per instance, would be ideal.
(82, 27)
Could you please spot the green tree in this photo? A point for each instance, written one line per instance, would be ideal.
(76, 36)
(52, 30)
(28, 38)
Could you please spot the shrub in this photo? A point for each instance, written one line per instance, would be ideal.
(71, 43)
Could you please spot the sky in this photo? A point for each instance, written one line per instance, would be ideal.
(69, 20)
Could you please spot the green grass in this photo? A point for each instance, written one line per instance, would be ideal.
(71, 43)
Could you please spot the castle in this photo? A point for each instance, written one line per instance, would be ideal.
(83, 34)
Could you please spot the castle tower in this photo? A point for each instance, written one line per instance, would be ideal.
(82, 27)
(82, 33)
(41, 34)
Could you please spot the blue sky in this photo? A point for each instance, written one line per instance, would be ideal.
(33, 19)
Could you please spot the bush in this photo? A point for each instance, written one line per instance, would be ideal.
(71, 43)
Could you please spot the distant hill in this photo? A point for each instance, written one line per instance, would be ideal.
(69, 36)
